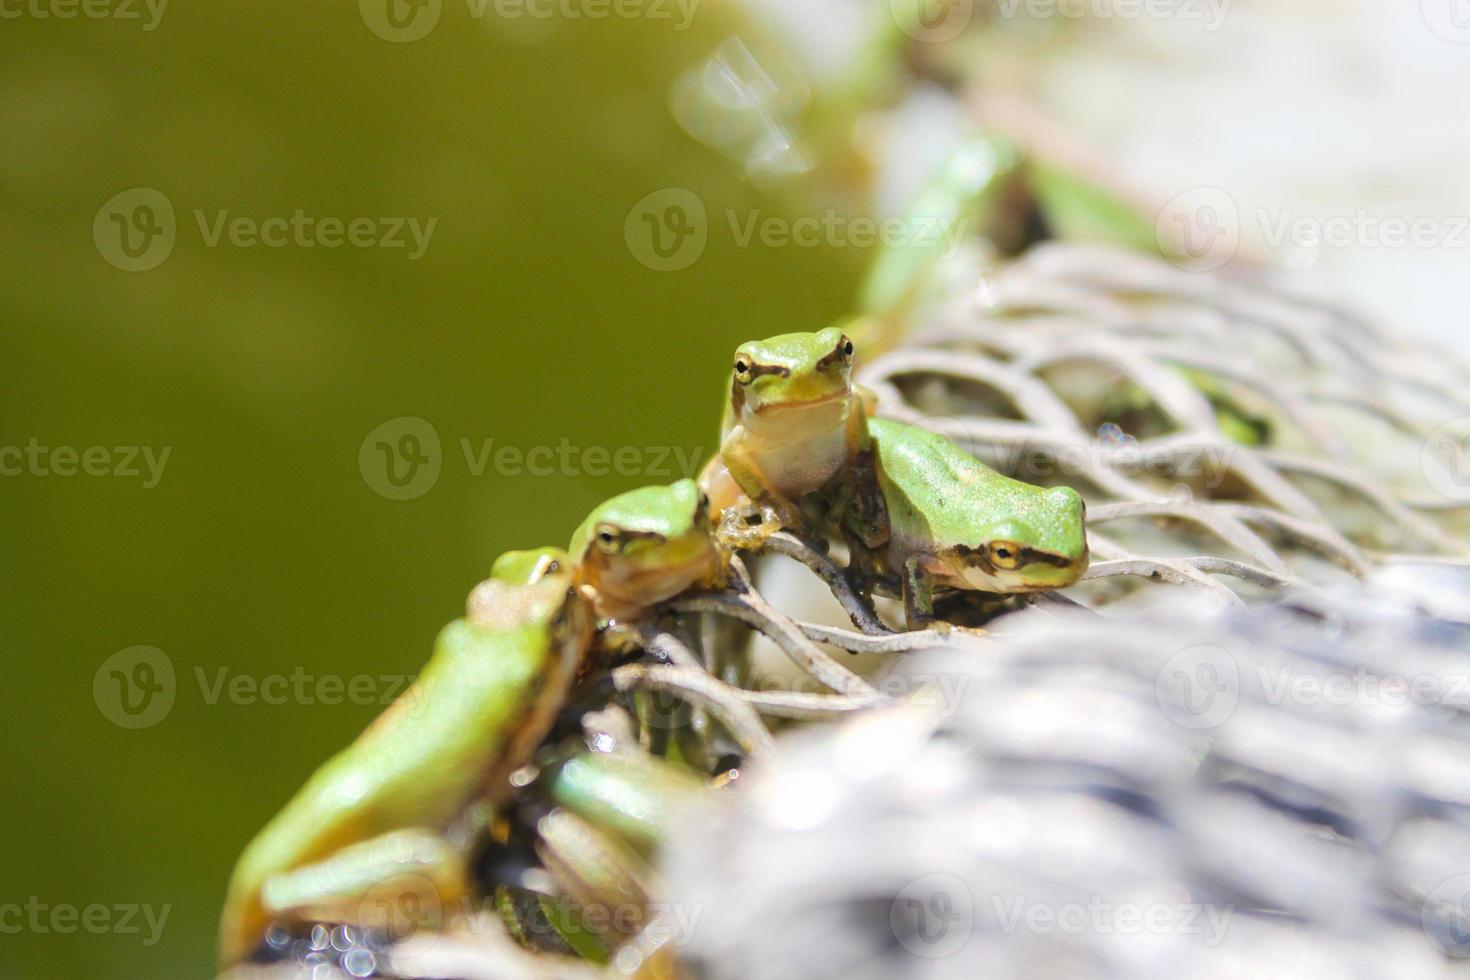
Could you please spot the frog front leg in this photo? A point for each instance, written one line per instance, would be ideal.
(918, 590)
(775, 511)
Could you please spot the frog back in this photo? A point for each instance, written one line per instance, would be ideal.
(438, 747)
(939, 494)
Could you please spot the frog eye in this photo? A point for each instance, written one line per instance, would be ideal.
(743, 370)
(608, 538)
(1005, 554)
(846, 347)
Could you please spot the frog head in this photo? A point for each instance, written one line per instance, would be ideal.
(645, 546)
(1037, 546)
(530, 566)
(532, 588)
(791, 372)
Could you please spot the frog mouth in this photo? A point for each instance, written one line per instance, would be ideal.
(654, 577)
(794, 405)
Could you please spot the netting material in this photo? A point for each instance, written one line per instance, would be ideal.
(1011, 368)
(1272, 793)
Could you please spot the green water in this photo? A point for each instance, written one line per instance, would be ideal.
(263, 563)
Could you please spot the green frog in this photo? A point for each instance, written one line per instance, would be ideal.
(954, 523)
(795, 424)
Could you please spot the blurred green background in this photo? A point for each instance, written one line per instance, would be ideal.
(263, 550)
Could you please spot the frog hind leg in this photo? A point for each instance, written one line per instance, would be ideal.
(864, 569)
(918, 591)
(400, 883)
